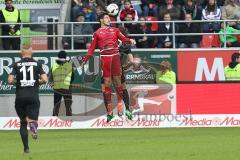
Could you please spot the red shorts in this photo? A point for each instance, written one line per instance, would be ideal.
(111, 65)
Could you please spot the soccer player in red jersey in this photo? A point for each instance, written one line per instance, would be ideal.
(106, 39)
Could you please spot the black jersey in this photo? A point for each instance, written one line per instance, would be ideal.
(27, 72)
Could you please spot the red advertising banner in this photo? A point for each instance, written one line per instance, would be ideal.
(202, 65)
(153, 99)
(215, 98)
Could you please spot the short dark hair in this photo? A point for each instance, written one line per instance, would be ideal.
(102, 15)
(235, 56)
(125, 1)
(165, 13)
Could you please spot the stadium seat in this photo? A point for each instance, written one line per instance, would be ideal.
(154, 26)
(238, 37)
(216, 41)
(209, 41)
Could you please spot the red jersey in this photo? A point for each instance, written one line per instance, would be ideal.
(124, 12)
(106, 39)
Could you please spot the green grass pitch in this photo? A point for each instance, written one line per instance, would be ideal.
(126, 144)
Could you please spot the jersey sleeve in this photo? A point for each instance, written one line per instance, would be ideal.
(121, 36)
(91, 48)
(14, 69)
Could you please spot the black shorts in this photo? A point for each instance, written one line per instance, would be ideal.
(27, 107)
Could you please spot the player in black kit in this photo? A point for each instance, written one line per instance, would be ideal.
(27, 74)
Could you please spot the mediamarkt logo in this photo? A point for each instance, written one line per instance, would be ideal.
(126, 123)
(205, 122)
(44, 123)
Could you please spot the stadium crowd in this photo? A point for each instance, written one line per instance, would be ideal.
(137, 13)
(163, 10)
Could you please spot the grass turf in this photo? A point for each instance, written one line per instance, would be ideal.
(130, 144)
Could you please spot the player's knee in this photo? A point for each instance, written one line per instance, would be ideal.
(117, 82)
(23, 123)
(107, 82)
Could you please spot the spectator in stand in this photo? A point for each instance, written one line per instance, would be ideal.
(128, 9)
(143, 28)
(137, 6)
(104, 3)
(231, 39)
(203, 3)
(191, 7)
(191, 41)
(150, 8)
(89, 14)
(231, 11)
(179, 2)
(10, 15)
(211, 12)
(166, 28)
(130, 27)
(166, 74)
(77, 7)
(220, 3)
(173, 9)
(80, 42)
(99, 11)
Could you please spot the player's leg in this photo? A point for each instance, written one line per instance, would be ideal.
(106, 87)
(32, 115)
(119, 91)
(126, 98)
(21, 110)
(103, 87)
(116, 72)
(24, 135)
(107, 95)
(125, 93)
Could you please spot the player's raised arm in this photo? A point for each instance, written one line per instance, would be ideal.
(124, 38)
(91, 49)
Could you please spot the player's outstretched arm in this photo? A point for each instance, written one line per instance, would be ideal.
(90, 50)
(11, 79)
(43, 79)
(124, 38)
